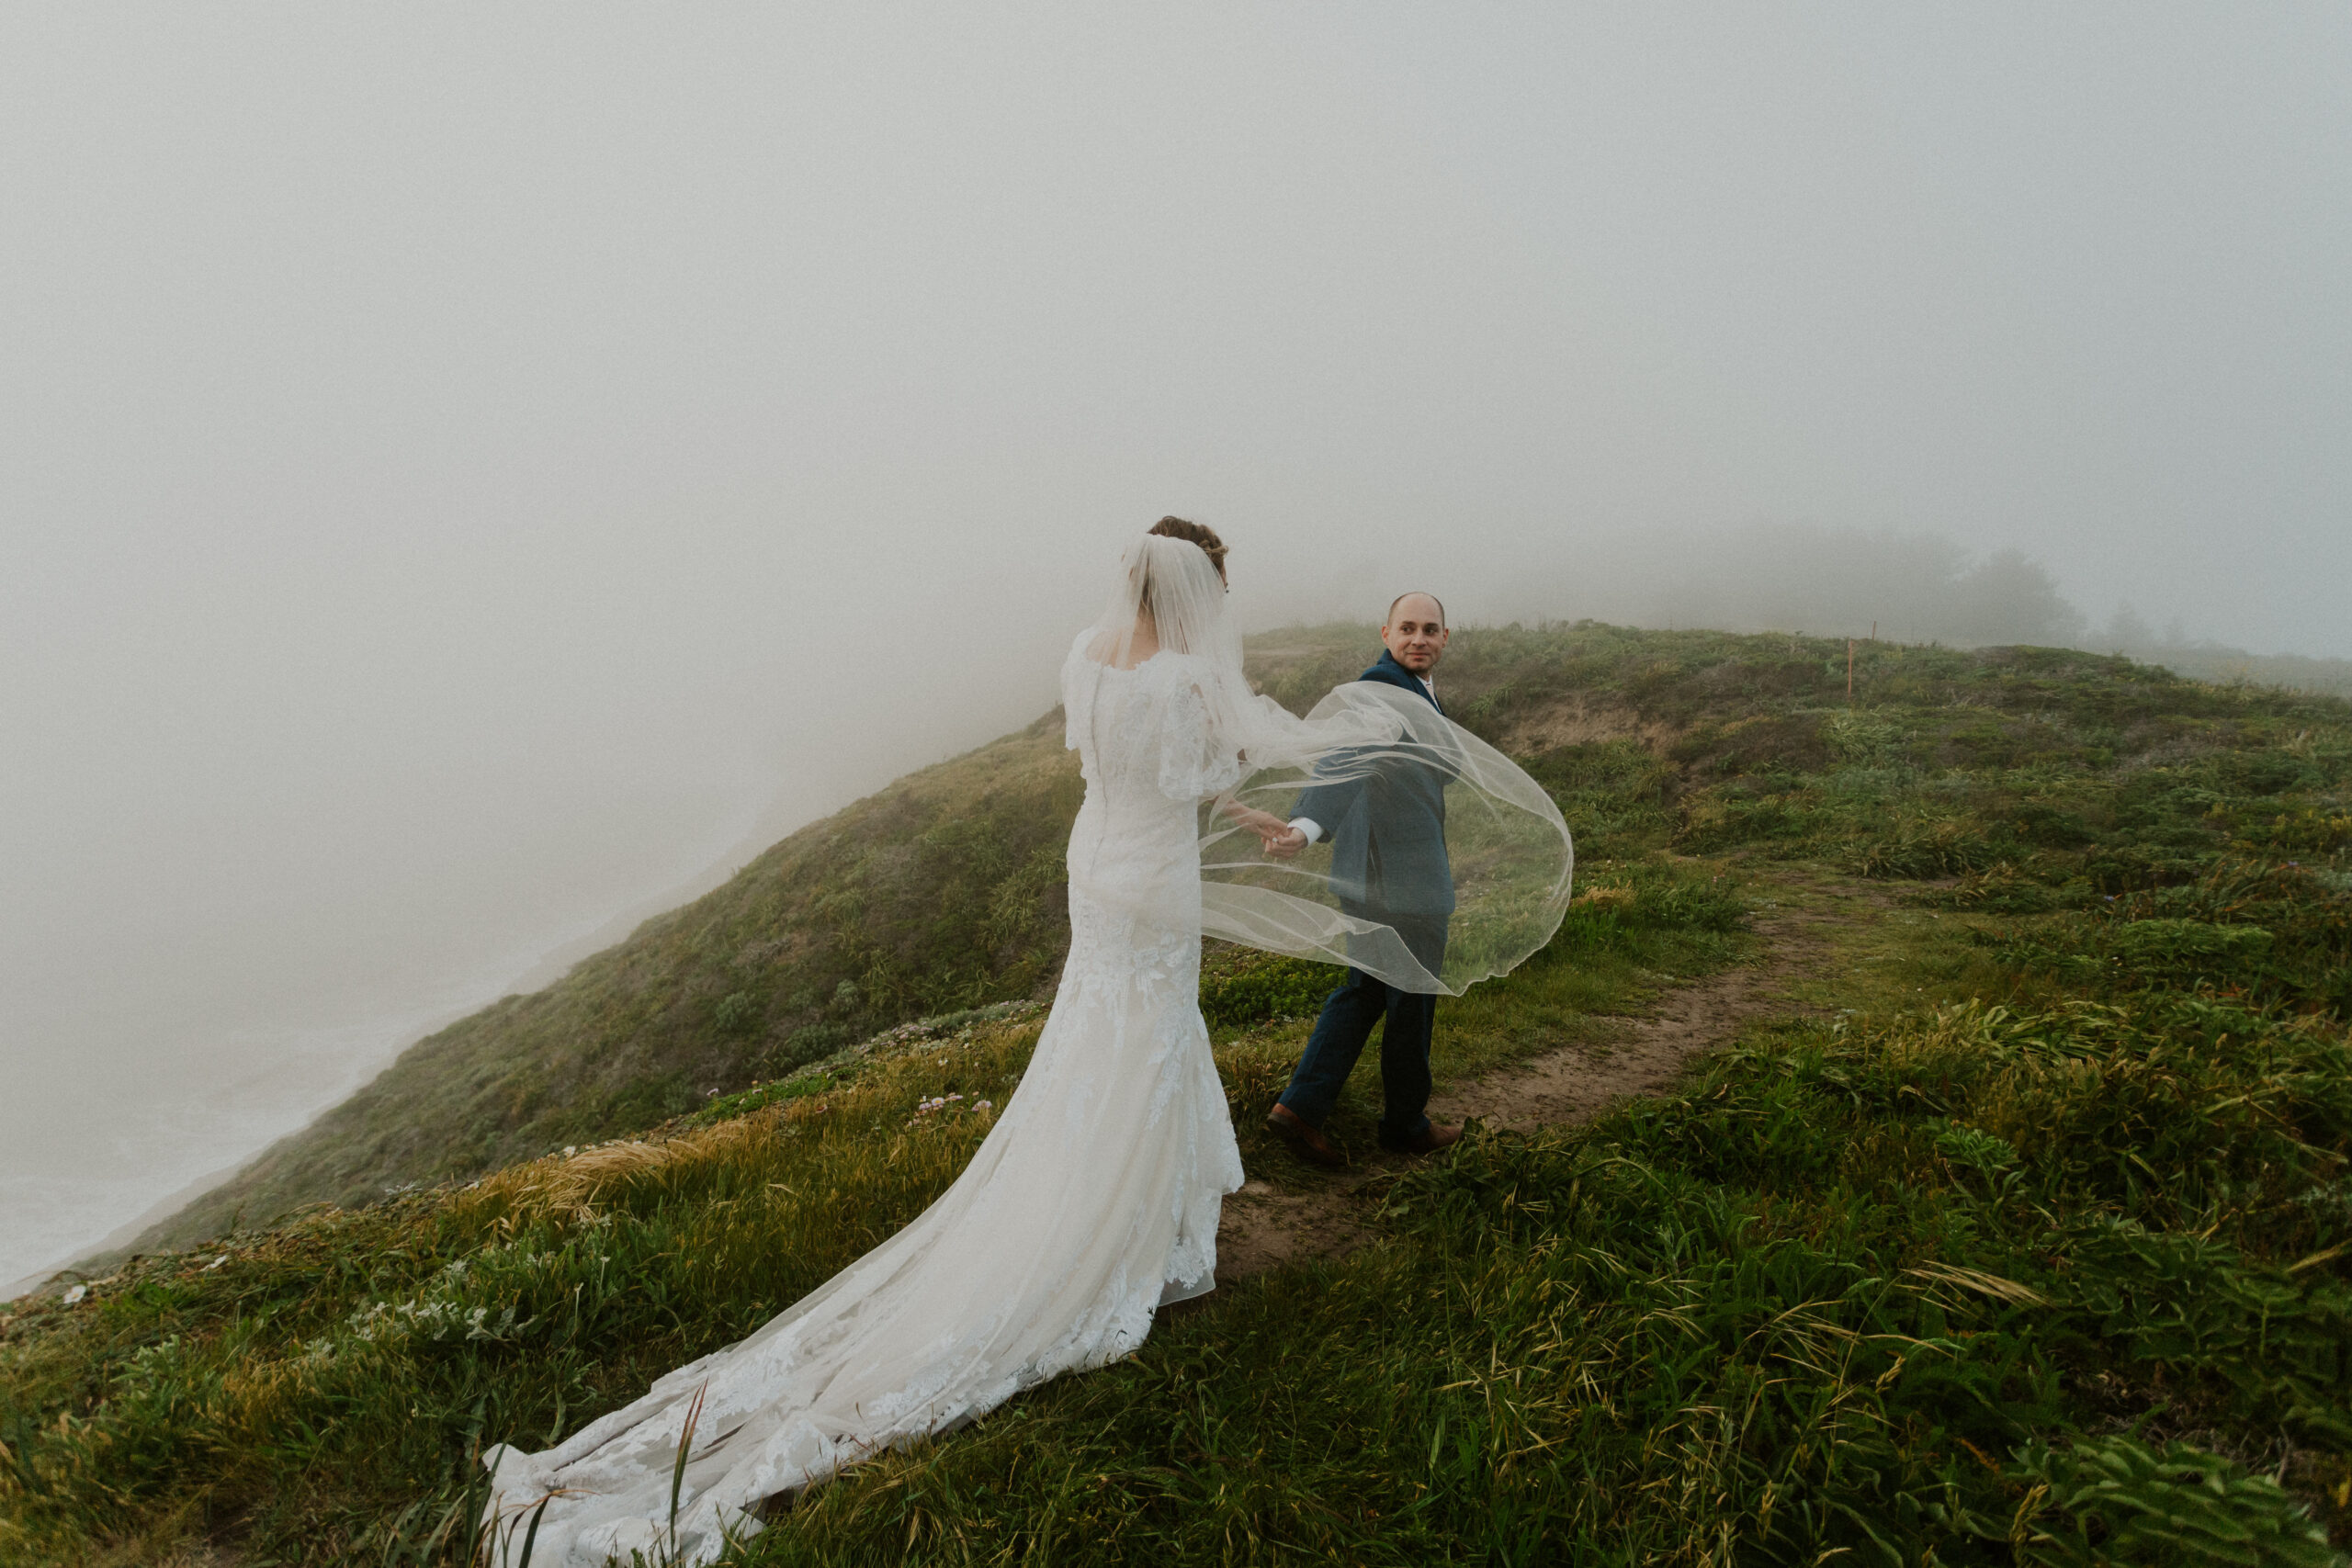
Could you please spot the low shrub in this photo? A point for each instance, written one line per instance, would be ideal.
(1240, 988)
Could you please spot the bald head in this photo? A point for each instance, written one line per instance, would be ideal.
(1416, 632)
(1424, 604)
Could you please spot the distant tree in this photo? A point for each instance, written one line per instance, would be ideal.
(1801, 577)
(2009, 599)
(2124, 631)
(1834, 582)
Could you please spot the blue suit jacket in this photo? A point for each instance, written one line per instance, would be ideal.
(1387, 827)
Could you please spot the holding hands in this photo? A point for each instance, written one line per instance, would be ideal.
(1285, 844)
(1278, 838)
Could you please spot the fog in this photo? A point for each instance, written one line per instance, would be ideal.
(468, 474)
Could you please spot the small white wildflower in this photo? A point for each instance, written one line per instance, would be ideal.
(74, 1297)
(983, 1105)
(571, 1149)
(216, 1263)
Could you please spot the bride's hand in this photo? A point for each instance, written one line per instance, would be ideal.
(1278, 838)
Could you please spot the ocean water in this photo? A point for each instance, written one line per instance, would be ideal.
(89, 1145)
(139, 1065)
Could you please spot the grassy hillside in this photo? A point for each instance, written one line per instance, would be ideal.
(2213, 661)
(941, 892)
(2031, 1241)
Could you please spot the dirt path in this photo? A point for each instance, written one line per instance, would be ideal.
(1265, 1227)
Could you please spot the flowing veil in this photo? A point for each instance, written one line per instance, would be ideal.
(1501, 884)
(1498, 889)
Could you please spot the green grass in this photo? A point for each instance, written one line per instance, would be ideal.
(2028, 1239)
(1614, 953)
(1796, 1308)
(325, 1388)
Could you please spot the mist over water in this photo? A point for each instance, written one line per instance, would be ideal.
(465, 476)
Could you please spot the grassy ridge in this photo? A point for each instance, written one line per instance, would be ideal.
(322, 1392)
(2213, 661)
(938, 893)
(2034, 1245)
(943, 891)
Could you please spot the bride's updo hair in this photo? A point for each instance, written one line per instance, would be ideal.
(1193, 533)
(1171, 580)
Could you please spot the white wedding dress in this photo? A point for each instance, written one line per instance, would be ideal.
(1093, 1202)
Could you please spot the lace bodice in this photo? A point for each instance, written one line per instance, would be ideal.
(1149, 759)
(1145, 731)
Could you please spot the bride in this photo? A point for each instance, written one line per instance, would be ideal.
(1094, 1200)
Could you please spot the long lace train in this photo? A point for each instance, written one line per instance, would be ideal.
(1092, 1203)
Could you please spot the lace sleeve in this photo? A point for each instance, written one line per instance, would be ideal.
(1194, 762)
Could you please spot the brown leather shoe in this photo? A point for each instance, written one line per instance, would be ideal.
(1433, 1138)
(1305, 1141)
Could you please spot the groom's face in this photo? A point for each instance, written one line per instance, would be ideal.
(1416, 632)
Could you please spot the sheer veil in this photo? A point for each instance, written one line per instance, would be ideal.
(1446, 864)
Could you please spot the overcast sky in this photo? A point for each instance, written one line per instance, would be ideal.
(463, 469)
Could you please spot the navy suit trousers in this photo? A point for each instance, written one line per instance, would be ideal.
(1345, 1026)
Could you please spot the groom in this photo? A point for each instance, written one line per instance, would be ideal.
(1387, 837)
